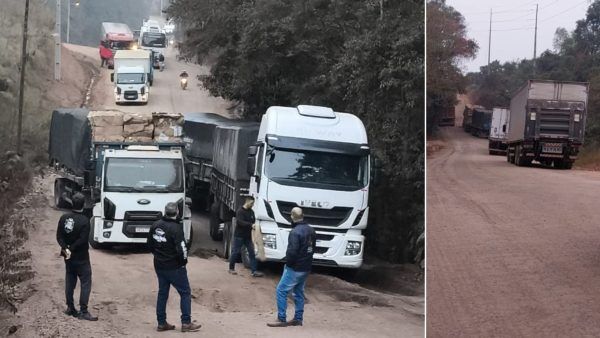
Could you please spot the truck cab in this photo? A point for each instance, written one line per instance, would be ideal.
(136, 182)
(319, 160)
(132, 77)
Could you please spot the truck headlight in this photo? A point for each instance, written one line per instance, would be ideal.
(353, 248)
(143, 90)
(270, 241)
(118, 90)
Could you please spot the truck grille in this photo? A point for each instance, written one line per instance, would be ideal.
(130, 95)
(315, 216)
(555, 122)
(139, 219)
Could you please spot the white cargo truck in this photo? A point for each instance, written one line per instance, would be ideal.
(497, 139)
(133, 76)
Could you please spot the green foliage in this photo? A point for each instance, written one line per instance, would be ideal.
(338, 53)
(447, 45)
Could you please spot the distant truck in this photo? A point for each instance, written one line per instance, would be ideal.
(199, 131)
(118, 36)
(547, 123)
(152, 37)
(497, 139)
(133, 76)
(447, 117)
(467, 119)
(481, 121)
(126, 184)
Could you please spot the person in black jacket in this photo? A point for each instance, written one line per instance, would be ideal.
(244, 220)
(299, 256)
(72, 235)
(167, 243)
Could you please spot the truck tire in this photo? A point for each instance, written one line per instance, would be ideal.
(567, 165)
(59, 201)
(214, 222)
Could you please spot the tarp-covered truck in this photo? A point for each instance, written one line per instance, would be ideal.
(547, 123)
(128, 166)
(198, 130)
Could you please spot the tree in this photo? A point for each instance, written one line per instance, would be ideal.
(447, 45)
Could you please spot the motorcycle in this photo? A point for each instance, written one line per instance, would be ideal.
(183, 83)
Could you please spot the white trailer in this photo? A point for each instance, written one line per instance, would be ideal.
(499, 128)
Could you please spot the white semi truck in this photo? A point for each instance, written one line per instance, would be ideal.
(306, 156)
(126, 185)
(154, 39)
(133, 76)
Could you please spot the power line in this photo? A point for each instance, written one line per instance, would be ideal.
(566, 10)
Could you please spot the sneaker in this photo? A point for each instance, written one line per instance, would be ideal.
(165, 327)
(294, 322)
(232, 272)
(190, 327)
(257, 274)
(71, 312)
(278, 323)
(87, 316)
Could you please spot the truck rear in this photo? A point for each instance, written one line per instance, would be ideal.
(547, 123)
(127, 182)
(447, 117)
(497, 139)
(480, 122)
(199, 129)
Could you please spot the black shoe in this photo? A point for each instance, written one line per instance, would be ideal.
(278, 323)
(71, 312)
(87, 316)
(294, 322)
(165, 327)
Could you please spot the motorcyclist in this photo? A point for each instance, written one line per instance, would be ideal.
(184, 75)
(183, 78)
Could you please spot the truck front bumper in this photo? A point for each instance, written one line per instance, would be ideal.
(123, 232)
(332, 247)
(119, 98)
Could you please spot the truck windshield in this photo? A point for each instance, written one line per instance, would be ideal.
(317, 169)
(143, 175)
(154, 40)
(120, 45)
(130, 78)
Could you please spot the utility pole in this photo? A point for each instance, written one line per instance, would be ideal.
(68, 21)
(490, 41)
(380, 9)
(535, 39)
(22, 83)
(57, 42)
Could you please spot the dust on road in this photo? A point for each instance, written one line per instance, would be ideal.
(124, 284)
(511, 251)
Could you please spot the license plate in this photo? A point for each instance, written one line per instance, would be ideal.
(553, 150)
(142, 229)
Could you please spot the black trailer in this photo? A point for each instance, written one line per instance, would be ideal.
(547, 123)
(198, 131)
(229, 177)
(447, 117)
(467, 119)
(481, 122)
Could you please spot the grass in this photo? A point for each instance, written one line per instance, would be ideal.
(589, 158)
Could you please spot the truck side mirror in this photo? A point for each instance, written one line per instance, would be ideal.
(252, 151)
(250, 165)
(112, 77)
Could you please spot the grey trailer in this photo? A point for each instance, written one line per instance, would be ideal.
(547, 123)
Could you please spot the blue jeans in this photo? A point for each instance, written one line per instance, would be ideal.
(179, 279)
(291, 280)
(236, 252)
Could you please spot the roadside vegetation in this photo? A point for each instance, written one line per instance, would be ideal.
(354, 56)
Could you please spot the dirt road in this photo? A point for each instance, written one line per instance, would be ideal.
(124, 289)
(511, 251)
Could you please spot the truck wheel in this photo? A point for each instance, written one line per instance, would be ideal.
(59, 201)
(214, 222)
(567, 165)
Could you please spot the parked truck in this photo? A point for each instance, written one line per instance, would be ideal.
(305, 156)
(467, 118)
(118, 36)
(126, 184)
(153, 38)
(480, 122)
(133, 76)
(198, 130)
(547, 123)
(497, 139)
(447, 117)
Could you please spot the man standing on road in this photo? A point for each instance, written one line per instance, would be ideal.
(167, 243)
(105, 53)
(72, 236)
(244, 220)
(299, 257)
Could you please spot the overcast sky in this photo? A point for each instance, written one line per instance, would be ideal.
(513, 23)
